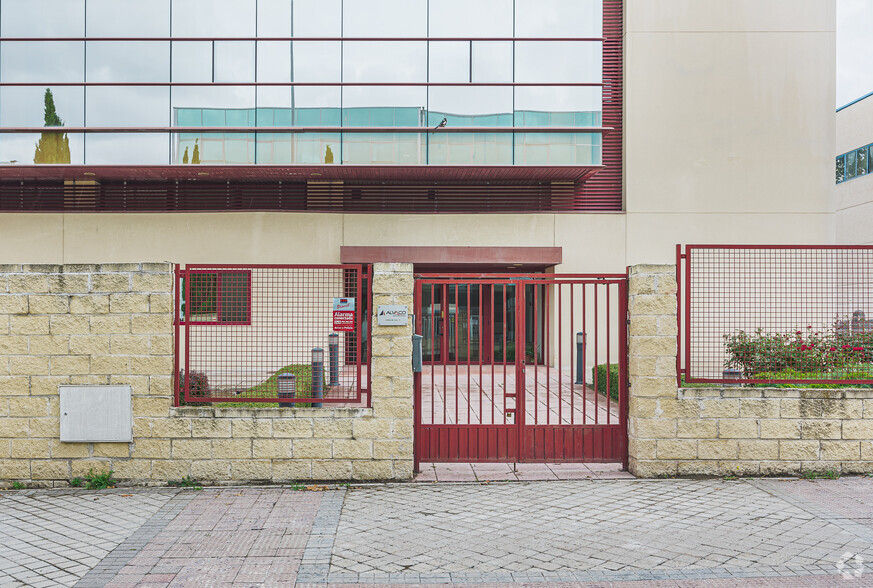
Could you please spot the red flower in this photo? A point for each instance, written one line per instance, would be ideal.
(833, 348)
(804, 347)
(846, 346)
(857, 349)
(808, 326)
(798, 333)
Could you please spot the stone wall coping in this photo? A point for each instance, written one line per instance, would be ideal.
(339, 412)
(805, 393)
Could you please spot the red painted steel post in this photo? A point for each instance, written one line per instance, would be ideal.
(623, 367)
(687, 312)
(370, 313)
(679, 315)
(177, 302)
(416, 383)
(185, 388)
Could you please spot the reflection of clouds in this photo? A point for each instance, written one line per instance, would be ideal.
(384, 18)
(25, 105)
(123, 18)
(127, 106)
(42, 61)
(43, 18)
(128, 61)
(463, 18)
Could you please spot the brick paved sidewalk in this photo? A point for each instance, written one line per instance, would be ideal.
(593, 532)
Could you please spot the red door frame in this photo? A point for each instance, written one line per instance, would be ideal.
(518, 434)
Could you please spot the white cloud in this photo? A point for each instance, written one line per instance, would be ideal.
(854, 49)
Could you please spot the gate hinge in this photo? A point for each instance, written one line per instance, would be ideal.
(628, 321)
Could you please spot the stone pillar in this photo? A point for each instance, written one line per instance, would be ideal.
(392, 368)
(653, 408)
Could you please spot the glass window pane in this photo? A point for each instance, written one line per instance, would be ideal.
(380, 61)
(274, 61)
(128, 61)
(192, 61)
(42, 61)
(128, 18)
(559, 18)
(558, 62)
(316, 61)
(43, 18)
(224, 106)
(850, 165)
(313, 106)
(470, 107)
(385, 18)
(213, 18)
(25, 106)
(234, 61)
(127, 149)
(492, 61)
(449, 62)
(462, 18)
(127, 106)
(317, 18)
(861, 162)
(274, 18)
(28, 149)
(841, 169)
(553, 106)
(383, 106)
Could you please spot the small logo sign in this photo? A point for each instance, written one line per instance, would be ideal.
(850, 566)
(392, 315)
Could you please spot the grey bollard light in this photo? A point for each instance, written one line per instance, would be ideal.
(287, 388)
(317, 375)
(580, 357)
(333, 354)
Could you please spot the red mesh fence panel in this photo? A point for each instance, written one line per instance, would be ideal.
(287, 334)
(765, 314)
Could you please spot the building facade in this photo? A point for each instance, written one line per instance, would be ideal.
(609, 129)
(854, 190)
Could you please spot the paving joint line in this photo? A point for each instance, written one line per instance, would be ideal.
(315, 565)
(116, 559)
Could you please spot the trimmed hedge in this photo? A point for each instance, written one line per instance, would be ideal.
(601, 373)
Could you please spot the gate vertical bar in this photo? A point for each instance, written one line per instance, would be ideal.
(187, 334)
(370, 312)
(416, 384)
(520, 383)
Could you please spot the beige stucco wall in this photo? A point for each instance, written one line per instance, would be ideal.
(853, 199)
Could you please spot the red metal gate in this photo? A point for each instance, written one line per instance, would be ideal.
(510, 368)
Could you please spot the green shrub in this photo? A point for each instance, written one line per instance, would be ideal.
(99, 481)
(810, 352)
(600, 371)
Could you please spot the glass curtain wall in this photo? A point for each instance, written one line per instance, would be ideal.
(257, 67)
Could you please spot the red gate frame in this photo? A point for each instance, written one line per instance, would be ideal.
(519, 426)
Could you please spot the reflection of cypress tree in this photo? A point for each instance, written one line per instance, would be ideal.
(185, 156)
(328, 155)
(52, 147)
(195, 158)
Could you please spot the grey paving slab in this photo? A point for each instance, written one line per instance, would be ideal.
(52, 537)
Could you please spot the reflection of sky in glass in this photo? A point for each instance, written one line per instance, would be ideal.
(242, 62)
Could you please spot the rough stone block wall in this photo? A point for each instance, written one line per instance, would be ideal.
(730, 430)
(112, 324)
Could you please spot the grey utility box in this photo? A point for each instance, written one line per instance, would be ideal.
(96, 414)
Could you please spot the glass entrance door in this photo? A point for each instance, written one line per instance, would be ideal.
(451, 323)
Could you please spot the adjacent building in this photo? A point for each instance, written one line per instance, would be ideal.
(854, 190)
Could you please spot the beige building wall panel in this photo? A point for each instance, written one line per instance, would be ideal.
(242, 237)
(652, 238)
(855, 126)
(736, 15)
(854, 226)
(729, 122)
(34, 238)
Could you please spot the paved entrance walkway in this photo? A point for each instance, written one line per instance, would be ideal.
(596, 532)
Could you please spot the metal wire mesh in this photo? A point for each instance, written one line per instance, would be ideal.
(791, 314)
(286, 334)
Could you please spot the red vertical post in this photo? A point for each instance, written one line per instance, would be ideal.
(177, 302)
(371, 313)
(622, 370)
(416, 386)
(186, 387)
(687, 311)
(359, 301)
